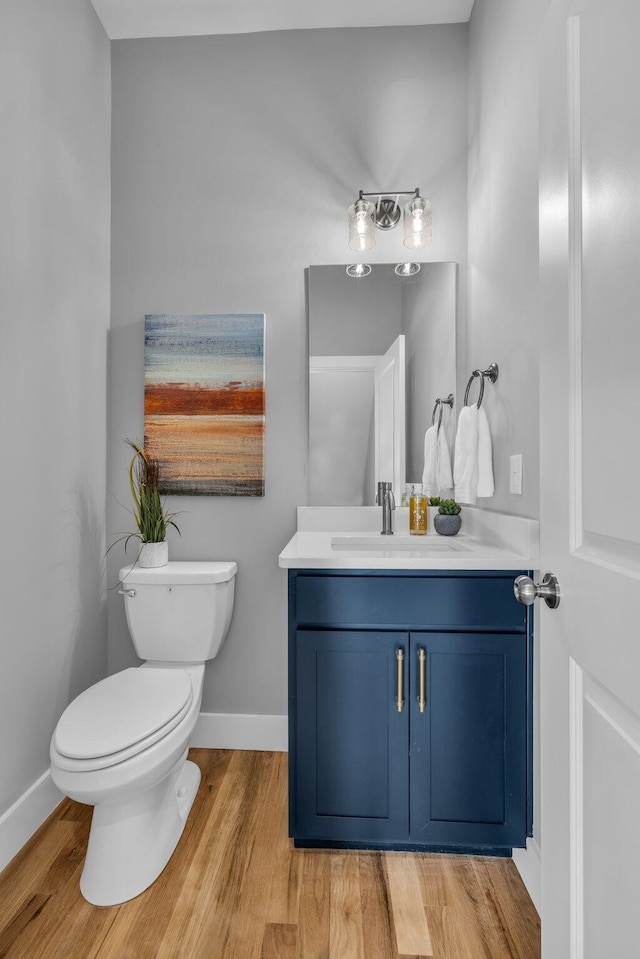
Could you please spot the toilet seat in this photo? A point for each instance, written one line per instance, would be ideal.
(120, 716)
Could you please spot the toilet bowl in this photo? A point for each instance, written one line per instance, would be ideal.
(121, 746)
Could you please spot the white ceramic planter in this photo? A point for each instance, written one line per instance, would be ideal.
(153, 554)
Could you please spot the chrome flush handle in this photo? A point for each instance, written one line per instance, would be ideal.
(127, 592)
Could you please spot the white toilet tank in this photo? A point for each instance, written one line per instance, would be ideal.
(181, 612)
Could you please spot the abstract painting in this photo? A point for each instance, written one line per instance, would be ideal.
(204, 402)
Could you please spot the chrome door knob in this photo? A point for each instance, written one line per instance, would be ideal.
(525, 590)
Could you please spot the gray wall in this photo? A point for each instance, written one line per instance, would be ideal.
(54, 308)
(503, 234)
(234, 161)
(503, 248)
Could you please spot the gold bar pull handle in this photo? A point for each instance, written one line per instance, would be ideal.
(400, 684)
(422, 673)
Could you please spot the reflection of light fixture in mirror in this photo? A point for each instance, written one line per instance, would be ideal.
(407, 269)
(359, 269)
(365, 217)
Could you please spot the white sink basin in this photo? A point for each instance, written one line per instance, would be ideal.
(399, 542)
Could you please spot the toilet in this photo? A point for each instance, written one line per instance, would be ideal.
(121, 746)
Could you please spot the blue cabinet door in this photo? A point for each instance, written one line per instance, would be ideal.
(351, 762)
(468, 774)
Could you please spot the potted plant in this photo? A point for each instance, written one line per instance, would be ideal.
(448, 520)
(149, 510)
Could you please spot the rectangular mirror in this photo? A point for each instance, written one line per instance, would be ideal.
(377, 343)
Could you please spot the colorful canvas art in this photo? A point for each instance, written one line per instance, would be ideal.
(204, 409)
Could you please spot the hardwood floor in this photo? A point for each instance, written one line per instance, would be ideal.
(237, 889)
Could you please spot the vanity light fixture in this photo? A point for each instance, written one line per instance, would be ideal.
(358, 269)
(365, 217)
(406, 269)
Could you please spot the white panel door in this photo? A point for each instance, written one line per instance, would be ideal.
(390, 417)
(590, 463)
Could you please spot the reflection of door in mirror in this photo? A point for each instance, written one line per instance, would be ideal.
(352, 322)
(389, 421)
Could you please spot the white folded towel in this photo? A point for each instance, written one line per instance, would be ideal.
(485, 458)
(473, 469)
(429, 472)
(436, 475)
(444, 476)
(465, 465)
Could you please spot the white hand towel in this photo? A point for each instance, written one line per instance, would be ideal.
(485, 464)
(465, 466)
(444, 477)
(429, 476)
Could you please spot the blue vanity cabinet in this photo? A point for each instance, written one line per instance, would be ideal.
(369, 764)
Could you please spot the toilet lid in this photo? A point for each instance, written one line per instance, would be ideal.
(122, 710)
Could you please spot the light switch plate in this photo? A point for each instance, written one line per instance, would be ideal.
(515, 474)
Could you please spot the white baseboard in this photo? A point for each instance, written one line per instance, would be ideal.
(21, 820)
(528, 863)
(241, 731)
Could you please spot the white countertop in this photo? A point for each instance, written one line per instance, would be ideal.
(486, 541)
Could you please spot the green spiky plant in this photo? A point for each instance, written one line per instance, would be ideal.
(434, 501)
(150, 514)
(449, 507)
(149, 510)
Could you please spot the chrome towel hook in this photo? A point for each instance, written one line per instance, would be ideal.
(491, 373)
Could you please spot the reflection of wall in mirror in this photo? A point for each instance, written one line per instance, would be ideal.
(428, 320)
(341, 430)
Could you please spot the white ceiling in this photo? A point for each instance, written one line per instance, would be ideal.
(179, 18)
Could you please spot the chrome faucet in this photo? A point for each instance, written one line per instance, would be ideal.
(385, 498)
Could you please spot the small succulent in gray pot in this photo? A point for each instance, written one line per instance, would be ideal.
(448, 520)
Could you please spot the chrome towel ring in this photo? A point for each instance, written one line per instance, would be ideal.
(440, 403)
(491, 373)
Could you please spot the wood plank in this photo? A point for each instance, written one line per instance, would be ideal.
(435, 889)
(67, 925)
(287, 862)
(514, 915)
(29, 911)
(314, 911)
(345, 911)
(409, 918)
(377, 923)
(280, 941)
(467, 921)
(450, 937)
(246, 905)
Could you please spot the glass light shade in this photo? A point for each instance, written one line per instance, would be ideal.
(417, 223)
(361, 226)
(358, 269)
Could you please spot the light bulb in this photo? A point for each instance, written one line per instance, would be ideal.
(361, 226)
(417, 223)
